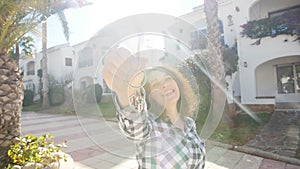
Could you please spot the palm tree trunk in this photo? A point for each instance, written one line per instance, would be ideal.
(45, 80)
(214, 38)
(11, 99)
(215, 59)
(17, 53)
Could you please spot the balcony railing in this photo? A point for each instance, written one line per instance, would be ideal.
(287, 22)
(30, 72)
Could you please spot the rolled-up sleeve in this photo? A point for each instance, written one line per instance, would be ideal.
(134, 125)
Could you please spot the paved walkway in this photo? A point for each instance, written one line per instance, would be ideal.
(95, 143)
(280, 135)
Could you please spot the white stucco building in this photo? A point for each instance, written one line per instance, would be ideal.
(269, 67)
(268, 70)
(61, 61)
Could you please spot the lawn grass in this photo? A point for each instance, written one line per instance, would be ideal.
(298, 150)
(108, 110)
(244, 129)
(35, 107)
(298, 154)
(103, 110)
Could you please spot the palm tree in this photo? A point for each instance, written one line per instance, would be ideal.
(59, 11)
(25, 45)
(216, 66)
(17, 17)
(214, 38)
(45, 78)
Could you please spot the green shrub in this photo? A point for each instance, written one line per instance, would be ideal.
(35, 107)
(28, 97)
(56, 95)
(93, 93)
(32, 150)
(230, 60)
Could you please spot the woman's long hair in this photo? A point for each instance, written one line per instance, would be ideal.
(188, 101)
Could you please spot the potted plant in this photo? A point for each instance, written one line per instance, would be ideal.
(32, 152)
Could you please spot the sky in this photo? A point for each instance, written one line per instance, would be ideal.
(86, 21)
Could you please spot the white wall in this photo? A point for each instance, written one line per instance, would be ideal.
(56, 61)
(28, 79)
(254, 55)
(236, 84)
(265, 78)
(225, 9)
(93, 72)
(268, 49)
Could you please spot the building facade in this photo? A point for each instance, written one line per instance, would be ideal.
(269, 56)
(268, 49)
(61, 61)
(269, 65)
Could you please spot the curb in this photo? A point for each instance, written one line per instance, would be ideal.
(256, 152)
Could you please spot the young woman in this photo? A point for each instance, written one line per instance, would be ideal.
(153, 109)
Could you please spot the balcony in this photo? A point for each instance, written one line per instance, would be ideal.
(30, 72)
(278, 23)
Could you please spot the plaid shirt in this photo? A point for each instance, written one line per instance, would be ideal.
(159, 143)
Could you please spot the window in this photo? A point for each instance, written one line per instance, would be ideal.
(230, 21)
(22, 70)
(288, 79)
(29, 85)
(68, 61)
(297, 77)
(199, 37)
(293, 10)
(30, 68)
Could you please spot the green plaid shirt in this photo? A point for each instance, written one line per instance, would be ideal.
(159, 143)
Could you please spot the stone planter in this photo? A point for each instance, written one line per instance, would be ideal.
(62, 164)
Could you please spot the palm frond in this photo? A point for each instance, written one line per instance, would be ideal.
(18, 17)
(64, 23)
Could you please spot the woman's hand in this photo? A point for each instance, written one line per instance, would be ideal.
(122, 72)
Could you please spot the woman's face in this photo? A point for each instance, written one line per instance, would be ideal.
(163, 88)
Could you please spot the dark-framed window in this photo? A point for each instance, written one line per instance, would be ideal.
(68, 61)
(288, 78)
(199, 37)
(282, 11)
(30, 68)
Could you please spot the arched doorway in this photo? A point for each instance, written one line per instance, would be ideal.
(279, 79)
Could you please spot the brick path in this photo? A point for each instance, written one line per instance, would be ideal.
(280, 135)
(95, 143)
